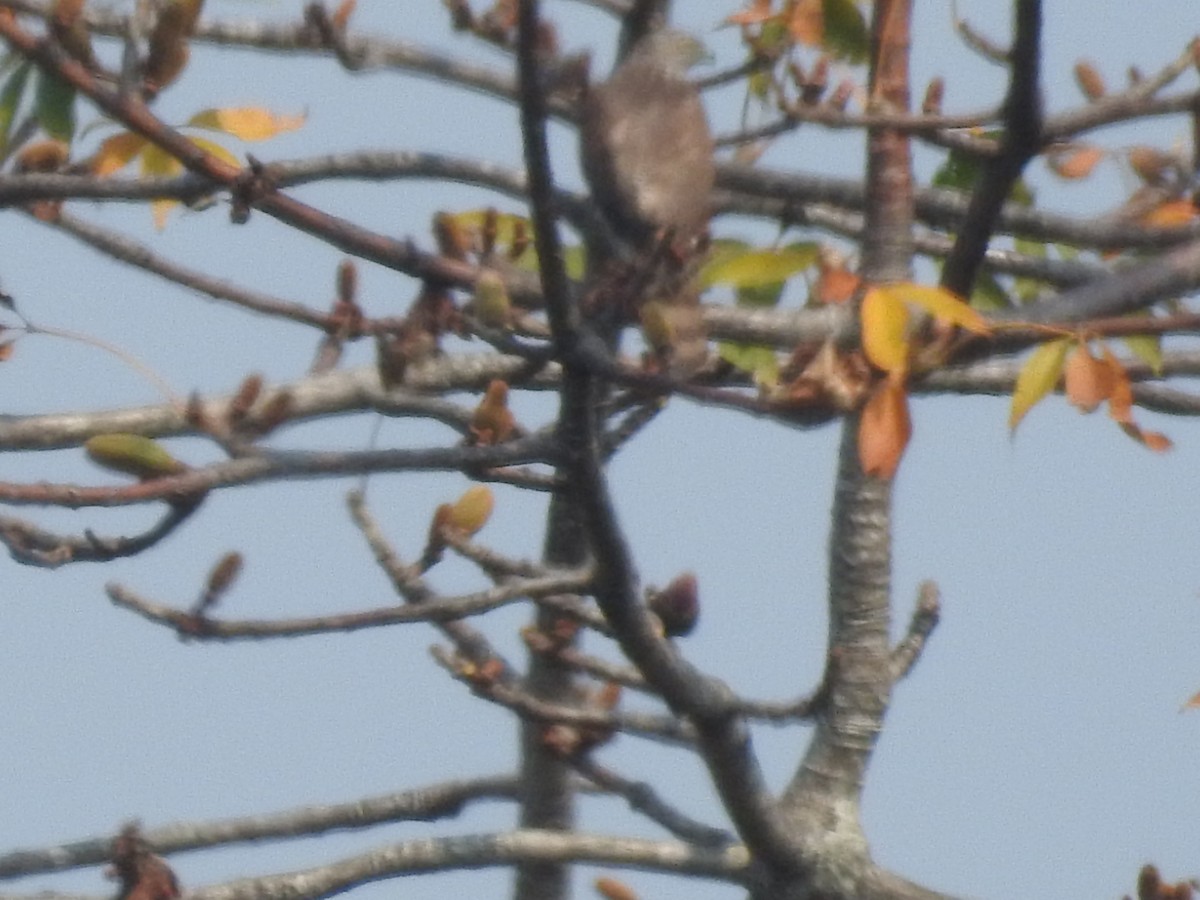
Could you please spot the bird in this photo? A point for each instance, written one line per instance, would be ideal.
(645, 145)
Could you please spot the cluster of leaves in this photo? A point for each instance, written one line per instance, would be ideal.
(837, 27)
(51, 104)
(247, 123)
(1088, 381)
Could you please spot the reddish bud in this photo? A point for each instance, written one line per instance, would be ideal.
(677, 605)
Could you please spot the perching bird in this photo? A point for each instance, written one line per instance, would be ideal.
(645, 145)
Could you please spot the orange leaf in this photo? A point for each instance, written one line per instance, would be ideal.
(342, 14)
(116, 152)
(250, 123)
(1120, 393)
(1120, 406)
(1171, 214)
(1193, 703)
(1088, 381)
(1157, 441)
(1088, 77)
(884, 429)
(756, 13)
(611, 889)
(807, 24)
(1151, 440)
(885, 330)
(1075, 161)
(1037, 378)
(835, 283)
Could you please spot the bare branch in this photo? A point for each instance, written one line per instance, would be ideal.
(924, 620)
(424, 804)
(432, 609)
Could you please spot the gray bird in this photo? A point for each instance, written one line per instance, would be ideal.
(645, 145)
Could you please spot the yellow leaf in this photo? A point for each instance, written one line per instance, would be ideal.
(884, 429)
(216, 150)
(159, 210)
(944, 305)
(116, 152)
(472, 510)
(884, 330)
(1038, 377)
(250, 123)
(486, 231)
(157, 162)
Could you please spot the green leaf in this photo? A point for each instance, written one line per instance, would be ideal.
(575, 260)
(761, 362)
(1027, 289)
(1147, 348)
(846, 30)
(55, 108)
(760, 268)
(1038, 376)
(989, 294)
(961, 172)
(10, 99)
(1021, 193)
(765, 296)
(132, 454)
(958, 173)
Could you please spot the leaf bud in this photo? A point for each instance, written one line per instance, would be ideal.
(132, 454)
(491, 304)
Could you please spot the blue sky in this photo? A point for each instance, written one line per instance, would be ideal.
(1037, 748)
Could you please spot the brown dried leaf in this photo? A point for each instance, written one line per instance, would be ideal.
(884, 429)
(1087, 381)
(1150, 164)
(934, 94)
(493, 422)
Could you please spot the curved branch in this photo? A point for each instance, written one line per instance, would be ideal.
(32, 545)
